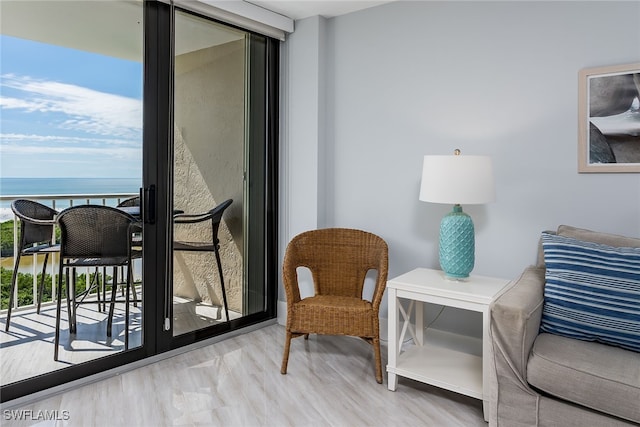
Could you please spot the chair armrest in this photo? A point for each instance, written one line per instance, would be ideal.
(381, 283)
(290, 265)
(183, 218)
(38, 221)
(515, 320)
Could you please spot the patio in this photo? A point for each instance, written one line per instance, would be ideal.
(26, 349)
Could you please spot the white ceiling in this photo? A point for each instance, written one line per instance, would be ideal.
(114, 28)
(300, 9)
(109, 28)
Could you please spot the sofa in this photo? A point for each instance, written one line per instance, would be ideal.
(549, 377)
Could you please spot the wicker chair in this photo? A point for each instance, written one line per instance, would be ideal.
(130, 206)
(94, 236)
(36, 236)
(130, 202)
(339, 260)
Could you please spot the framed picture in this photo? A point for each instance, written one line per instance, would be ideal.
(609, 119)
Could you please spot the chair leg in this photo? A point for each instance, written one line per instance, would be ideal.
(41, 290)
(285, 356)
(224, 293)
(113, 300)
(133, 286)
(69, 302)
(58, 312)
(96, 280)
(14, 285)
(122, 274)
(378, 359)
(126, 311)
(71, 294)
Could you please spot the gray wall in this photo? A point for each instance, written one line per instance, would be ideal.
(368, 94)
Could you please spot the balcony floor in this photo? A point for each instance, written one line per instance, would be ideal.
(26, 350)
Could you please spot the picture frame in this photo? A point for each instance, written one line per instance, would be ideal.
(609, 119)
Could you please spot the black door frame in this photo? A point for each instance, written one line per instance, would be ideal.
(263, 117)
(157, 148)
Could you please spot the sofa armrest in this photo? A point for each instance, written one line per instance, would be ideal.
(515, 324)
(515, 317)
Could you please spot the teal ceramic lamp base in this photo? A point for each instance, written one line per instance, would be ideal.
(457, 244)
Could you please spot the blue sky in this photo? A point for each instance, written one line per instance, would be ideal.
(68, 113)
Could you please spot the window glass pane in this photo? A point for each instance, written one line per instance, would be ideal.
(71, 134)
(209, 170)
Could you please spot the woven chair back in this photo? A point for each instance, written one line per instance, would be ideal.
(30, 214)
(127, 203)
(94, 231)
(339, 258)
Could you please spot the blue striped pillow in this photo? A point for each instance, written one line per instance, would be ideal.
(592, 291)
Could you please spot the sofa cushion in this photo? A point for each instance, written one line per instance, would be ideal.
(589, 236)
(597, 376)
(598, 237)
(592, 291)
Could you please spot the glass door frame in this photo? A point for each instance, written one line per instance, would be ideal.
(263, 131)
(157, 215)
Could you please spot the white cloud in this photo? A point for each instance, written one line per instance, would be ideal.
(13, 138)
(105, 153)
(15, 103)
(89, 111)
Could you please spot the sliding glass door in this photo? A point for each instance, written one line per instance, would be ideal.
(208, 160)
(151, 102)
(220, 178)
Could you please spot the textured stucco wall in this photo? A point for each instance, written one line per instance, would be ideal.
(209, 148)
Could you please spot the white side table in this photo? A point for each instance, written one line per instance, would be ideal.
(446, 360)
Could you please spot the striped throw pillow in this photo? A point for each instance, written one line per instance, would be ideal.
(592, 291)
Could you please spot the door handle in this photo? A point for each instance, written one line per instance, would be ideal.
(148, 196)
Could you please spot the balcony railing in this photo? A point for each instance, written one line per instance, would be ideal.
(58, 202)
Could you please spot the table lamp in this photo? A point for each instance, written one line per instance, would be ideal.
(457, 180)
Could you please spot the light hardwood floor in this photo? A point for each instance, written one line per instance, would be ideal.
(237, 382)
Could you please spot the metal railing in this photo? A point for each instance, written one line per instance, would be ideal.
(58, 202)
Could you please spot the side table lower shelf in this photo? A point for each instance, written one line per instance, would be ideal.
(445, 360)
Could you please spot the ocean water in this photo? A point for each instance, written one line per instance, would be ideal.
(62, 186)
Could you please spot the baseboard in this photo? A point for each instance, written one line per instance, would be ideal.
(282, 312)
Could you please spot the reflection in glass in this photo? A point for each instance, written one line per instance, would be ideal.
(209, 164)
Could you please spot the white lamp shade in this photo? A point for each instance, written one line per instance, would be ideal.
(457, 180)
